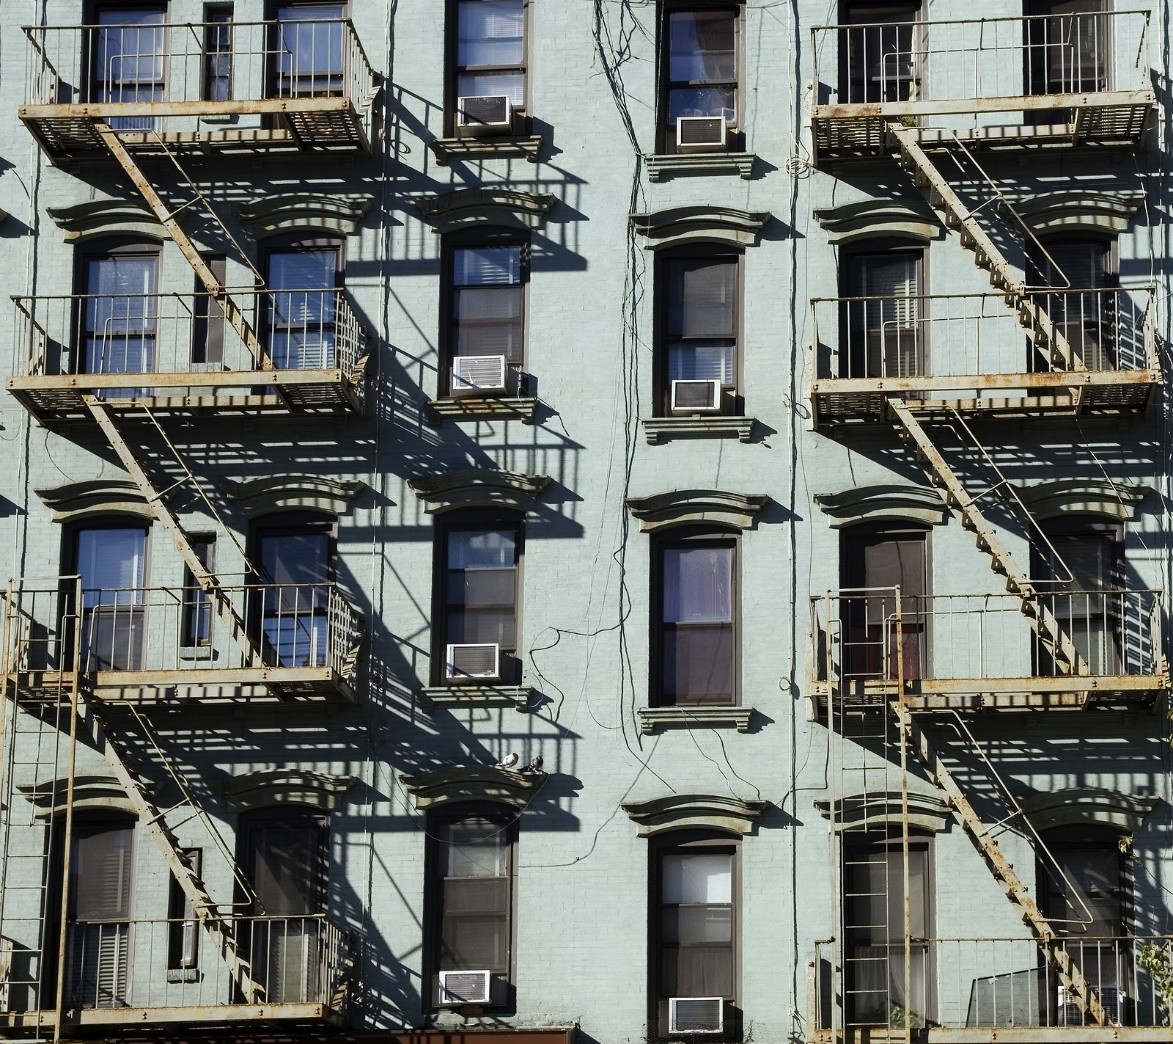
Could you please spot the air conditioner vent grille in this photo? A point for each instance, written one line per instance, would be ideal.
(478, 373)
(704, 396)
(696, 1014)
(472, 661)
(465, 987)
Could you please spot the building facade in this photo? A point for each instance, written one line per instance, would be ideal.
(592, 521)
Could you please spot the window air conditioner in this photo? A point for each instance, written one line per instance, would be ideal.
(696, 396)
(1112, 998)
(472, 661)
(478, 375)
(484, 115)
(465, 987)
(696, 1015)
(701, 134)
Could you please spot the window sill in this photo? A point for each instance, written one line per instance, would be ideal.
(197, 652)
(447, 149)
(651, 718)
(669, 165)
(485, 408)
(516, 696)
(183, 975)
(659, 428)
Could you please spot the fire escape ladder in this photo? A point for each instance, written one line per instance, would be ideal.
(964, 507)
(207, 581)
(232, 311)
(958, 218)
(1052, 946)
(153, 820)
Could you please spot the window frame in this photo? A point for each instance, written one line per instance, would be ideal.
(905, 11)
(508, 820)
(509, 662)
(515, 373)
(735, 130)
(288, 244)
(732, 397)
(218, 17)
(855, 357)
(453, 71)
(691, 842)
(92, 14)
(685, 537)
(274, 77)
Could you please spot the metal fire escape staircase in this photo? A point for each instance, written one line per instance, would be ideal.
(964, 506)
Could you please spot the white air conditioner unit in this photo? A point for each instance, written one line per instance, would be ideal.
(484, 115)
(478, 375)
(697, 1015)
(701, 134)
(472, 661)
(465, 987)
(696, 396)
(1113, 1000)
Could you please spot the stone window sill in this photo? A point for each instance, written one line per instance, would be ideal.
(183, 975)
(484, 408)
(667, 166)
(516, 696)
(448, 149)
(651, 718)
(656, 429)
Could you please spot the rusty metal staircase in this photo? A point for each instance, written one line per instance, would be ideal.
(962, 221)
(1070, 975)
(965, 509)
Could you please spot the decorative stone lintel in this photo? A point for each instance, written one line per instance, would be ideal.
(78, 500)
(269, 788)
(466, 208)
(684, 507)
(657, 429)
(91, 793)
(105, 217)
(523, 409)
(868, 811)
(872, 218)
(651, 718)
(700, 224)
(883, 503)
(473, 783)
(730, 815)
(1080, 806)
(447, 149)
(298, 211)
(470, 696)
(712, 163)
(1114, 500)
(264, 496)
(1077, 210)
(478, 487)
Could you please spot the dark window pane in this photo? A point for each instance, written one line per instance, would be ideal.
(702, 298)
(476, 897)
(702, 101)
(698, 663)
(701, 47)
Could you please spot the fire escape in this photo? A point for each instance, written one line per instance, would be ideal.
(144, 99)
(944, 102)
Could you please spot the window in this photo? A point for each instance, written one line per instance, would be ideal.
(695, 928)
(486, 315)
(881, 318)
(1084, 893)
(1068, 44)
(695, 642)
(877, 642)
(183, 930)
(101, 866)
(308, 52)
(128, 60)
(196, 625)
(487, 48)
(303, 278)
(699, 70)
(873, 910)
(295, 557)
(207, 343)
(217, 69)
(478, 599)
(286, 858)
(699, 319)
(119, 311)
(1081, 562)
(1083, 306)
(111, 561)
(882, 53)
(471, 892)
